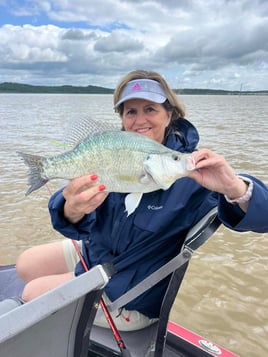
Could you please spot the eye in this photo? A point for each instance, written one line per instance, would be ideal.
(149, 109)
(130, 112)
(175, 157)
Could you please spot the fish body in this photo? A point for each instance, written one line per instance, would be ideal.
(124, 161)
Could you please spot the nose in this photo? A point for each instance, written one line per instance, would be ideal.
(140, 117)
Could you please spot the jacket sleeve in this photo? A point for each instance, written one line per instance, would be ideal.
(256, 217)
(77, 231)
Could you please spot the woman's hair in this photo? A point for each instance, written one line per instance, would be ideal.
(171, 104)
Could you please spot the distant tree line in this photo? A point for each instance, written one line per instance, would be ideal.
(68, 89)
(9, 87)
(218, 92)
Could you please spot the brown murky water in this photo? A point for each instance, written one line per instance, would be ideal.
(224, 296)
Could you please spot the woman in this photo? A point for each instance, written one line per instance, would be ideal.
(146, 105)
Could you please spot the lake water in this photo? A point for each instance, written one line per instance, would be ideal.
(224, 296)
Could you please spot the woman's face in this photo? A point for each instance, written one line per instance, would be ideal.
(147, 118)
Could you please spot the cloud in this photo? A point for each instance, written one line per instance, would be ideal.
(118, 42)
(29, 44)
(78, 35)
(197, 43)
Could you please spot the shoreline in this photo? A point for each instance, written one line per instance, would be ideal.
(10, 87)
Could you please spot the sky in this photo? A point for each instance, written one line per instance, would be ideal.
(211, 44)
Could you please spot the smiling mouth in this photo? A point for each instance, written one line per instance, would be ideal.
(143, 130)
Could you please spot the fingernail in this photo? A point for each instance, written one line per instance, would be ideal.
(93, 177)
(102, 187)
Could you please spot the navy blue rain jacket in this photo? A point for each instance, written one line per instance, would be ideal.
(154, 233)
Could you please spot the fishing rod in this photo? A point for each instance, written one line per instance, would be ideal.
(117, 336)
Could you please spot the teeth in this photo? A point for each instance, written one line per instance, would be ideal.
(142, 130)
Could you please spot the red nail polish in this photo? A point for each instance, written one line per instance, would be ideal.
(102, 187)
(93, 177)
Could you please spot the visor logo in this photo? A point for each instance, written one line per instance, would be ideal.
(136, 87)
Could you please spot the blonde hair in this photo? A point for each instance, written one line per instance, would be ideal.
(172, 103)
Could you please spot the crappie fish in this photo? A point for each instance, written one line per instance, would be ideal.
(124, 161)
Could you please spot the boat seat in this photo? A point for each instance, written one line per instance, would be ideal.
(152, 339)
(56, 323)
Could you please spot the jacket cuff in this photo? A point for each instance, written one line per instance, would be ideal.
(76, 231)
(255, 218)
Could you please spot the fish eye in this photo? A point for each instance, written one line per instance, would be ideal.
(175, 157)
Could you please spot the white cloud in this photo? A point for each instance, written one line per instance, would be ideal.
(29, 44)
(194, 43)
(118, 41)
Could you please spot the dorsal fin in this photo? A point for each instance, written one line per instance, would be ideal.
(79, 129)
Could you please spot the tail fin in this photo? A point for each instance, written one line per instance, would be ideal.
(35, 178)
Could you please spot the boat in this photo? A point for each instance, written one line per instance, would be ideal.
(60, 322)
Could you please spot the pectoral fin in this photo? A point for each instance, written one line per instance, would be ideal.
(132, 201)
(145, 179)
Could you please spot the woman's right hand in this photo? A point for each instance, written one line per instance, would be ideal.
(82, 195)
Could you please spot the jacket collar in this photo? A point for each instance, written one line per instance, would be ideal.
(183, 136)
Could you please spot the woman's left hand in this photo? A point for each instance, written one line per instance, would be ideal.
(213, 172)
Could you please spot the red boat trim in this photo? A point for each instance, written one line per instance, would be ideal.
(199, 341)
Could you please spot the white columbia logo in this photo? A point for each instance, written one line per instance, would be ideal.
(154, 208)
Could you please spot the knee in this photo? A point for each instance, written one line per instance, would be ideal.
(32, 290)
(24, 265)
(27, 294)
(42, 285)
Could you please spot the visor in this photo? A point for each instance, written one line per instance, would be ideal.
(142, 89)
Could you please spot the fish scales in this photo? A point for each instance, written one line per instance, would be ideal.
(111, 156)
(117, 157)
